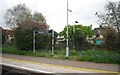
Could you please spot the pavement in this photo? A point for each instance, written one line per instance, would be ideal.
(59, 66)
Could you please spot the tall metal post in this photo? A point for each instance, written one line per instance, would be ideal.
(67, 40)
(74, 32)
(73, 28)
(33, 41)
(52, 42)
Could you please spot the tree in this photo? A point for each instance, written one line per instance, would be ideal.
(39, 18)
(16, 16)
(87, 31)
(24, 40)
(20, 17)
(39, 21)
(79, 40)
(111, 38)
(111, 15)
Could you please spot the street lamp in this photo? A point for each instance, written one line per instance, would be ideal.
(74, 32)
(74, 26)
(67, 40)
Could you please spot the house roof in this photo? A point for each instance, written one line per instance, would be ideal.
(100, 31)
(8, 32)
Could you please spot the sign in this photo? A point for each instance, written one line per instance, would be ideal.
(99, 42)
(41, 31)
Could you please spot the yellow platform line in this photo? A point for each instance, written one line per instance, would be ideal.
(65, 67)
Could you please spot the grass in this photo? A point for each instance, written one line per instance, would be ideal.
(13, 50)
(98, 56)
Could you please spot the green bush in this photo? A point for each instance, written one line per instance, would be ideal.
(73, 52)
(24, 40)
(11, 50)
(79, 40)
(61, 45)
(2, 38)
(99, 56)
(43, 41)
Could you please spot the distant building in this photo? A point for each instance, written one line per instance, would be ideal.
(100, 32)
(1, 29)
(9, 35)
(99, 35)
(60, 39)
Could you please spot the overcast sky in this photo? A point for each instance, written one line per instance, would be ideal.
(83, 11)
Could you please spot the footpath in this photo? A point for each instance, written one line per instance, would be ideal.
(75, 65)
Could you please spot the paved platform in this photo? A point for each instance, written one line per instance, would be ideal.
(57, 66)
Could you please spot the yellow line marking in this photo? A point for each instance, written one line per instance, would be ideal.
(65, 67)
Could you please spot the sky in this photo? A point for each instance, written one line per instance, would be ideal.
(55, 11)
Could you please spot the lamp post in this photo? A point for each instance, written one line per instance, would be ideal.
(73, 33)
(67, 40)
(53, 41)
(34, 38)
(74, 26)
(34, 41)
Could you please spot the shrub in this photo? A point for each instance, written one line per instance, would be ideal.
(79, 40)
(24, 40)
(118, 41)
(2, 38)
(43, 41)
(11, 50)
(100, 56)
(111, 34)
(61, 45)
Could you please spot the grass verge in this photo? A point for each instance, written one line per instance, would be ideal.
(98, 56)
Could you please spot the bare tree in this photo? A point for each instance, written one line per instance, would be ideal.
(40, 21)
(17, 15)
(20, 17)
(110, 17)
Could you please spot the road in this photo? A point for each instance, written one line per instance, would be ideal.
(53, 66)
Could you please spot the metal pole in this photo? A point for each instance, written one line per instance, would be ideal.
(33, 41)
(52, 42)
(73, 34)
(67, 40)
(73, 28)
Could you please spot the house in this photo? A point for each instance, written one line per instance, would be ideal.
(99, 35)
(100, 32)
(60, 39)
(9, 35)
